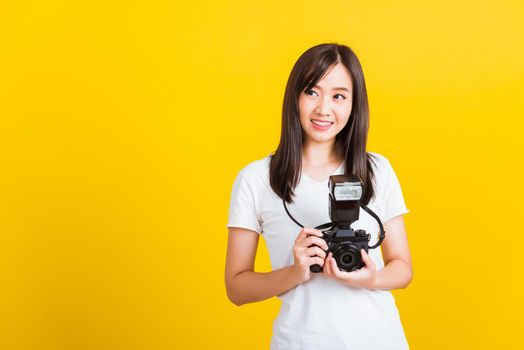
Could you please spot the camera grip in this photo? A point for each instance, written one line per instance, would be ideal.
(315, 268)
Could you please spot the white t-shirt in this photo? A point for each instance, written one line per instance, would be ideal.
(321, 313)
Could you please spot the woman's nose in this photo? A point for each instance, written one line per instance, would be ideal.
(323, 107)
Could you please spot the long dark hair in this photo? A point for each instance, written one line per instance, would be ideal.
(350, 142)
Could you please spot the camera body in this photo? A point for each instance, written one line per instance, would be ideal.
(345, 243)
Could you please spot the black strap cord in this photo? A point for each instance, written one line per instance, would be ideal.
(290, 216)
(382, 234)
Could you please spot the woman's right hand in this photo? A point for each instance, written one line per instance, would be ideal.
(307, 251)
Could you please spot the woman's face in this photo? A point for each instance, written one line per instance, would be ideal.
(325, 109)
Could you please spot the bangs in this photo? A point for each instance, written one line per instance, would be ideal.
(317, 69)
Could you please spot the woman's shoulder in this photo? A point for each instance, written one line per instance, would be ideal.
(378, 160)
(256, 170)
(380, 164)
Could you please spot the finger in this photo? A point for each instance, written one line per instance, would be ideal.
(327, 267)
(367, 259)
(312, 231)
(313, 240)
(301, 235)
(316, 260)
(334, 268)
(307, 231)
(316, 251)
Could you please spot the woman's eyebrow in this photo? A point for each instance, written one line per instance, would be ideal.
(336, 88)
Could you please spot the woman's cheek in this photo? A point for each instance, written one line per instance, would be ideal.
(343, 121)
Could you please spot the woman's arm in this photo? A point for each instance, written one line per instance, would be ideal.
(397, 271)
(243, 285)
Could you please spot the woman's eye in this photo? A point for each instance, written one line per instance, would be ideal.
(309, 92)
(343, 97)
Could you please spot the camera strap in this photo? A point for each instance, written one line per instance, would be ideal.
(382, 233)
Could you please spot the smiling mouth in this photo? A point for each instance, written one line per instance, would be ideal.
(321, 123)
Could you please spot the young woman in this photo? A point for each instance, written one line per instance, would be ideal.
(324, 132)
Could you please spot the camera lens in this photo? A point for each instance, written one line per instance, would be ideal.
(347, 256)
(346, 259)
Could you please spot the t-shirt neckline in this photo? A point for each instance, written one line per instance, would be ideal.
(323, 181)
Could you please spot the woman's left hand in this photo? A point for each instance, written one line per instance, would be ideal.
(364, 277)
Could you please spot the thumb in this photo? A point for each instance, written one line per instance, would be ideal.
(367, 260)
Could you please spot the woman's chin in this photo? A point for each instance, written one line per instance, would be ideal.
(320, 138)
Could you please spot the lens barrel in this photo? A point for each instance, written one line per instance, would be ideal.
(347, 256)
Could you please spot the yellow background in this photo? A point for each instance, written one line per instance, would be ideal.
(124, 124)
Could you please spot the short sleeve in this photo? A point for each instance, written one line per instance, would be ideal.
(393, 200)
(242, 207)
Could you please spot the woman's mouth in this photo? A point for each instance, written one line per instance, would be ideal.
(321, 125)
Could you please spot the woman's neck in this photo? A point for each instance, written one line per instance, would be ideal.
(319, 154)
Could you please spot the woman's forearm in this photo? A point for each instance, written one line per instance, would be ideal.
(396, 274)
(250, 286)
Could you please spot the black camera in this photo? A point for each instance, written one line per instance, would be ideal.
(345, 243)
(345, 192)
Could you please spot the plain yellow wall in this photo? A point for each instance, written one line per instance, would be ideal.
(124, 123)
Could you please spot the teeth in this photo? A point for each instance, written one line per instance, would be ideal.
(321, 123)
